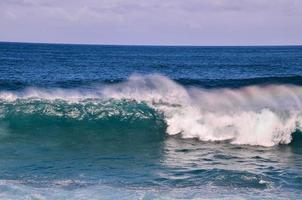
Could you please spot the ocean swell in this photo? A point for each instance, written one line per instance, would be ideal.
(253, 115)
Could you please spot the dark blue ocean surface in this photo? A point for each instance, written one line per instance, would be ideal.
(76, 65)
(150, 122)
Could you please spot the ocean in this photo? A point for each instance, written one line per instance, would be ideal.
(150, 122)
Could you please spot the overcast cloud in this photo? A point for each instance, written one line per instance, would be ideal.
(169, 22)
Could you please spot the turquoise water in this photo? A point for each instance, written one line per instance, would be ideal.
(135, 122)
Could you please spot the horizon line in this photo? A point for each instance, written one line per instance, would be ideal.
(153, 45)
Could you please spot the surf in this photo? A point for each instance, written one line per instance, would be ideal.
(251, 115)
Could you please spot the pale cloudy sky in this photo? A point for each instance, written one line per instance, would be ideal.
(164, 22)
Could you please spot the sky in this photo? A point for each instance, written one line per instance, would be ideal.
(153, 22)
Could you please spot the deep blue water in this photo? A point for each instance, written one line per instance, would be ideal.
(150, 122)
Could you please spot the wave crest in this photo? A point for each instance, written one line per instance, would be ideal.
(254, 115)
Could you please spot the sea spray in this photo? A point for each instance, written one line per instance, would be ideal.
(254, 115)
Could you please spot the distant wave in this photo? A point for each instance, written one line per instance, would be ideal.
(204, 83)
(238, 83)
(254, 115)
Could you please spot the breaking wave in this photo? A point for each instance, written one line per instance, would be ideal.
(252, 115)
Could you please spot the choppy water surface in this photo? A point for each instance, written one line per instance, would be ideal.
(122, 122)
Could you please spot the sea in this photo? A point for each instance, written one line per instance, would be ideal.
(150, 122)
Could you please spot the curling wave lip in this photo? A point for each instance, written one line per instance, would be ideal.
(253, 115)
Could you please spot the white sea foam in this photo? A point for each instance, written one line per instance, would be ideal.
(253, 115)
(14, 190)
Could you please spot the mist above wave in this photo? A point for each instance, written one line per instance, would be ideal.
(254, 115)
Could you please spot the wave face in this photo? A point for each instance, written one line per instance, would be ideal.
(253, 115)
